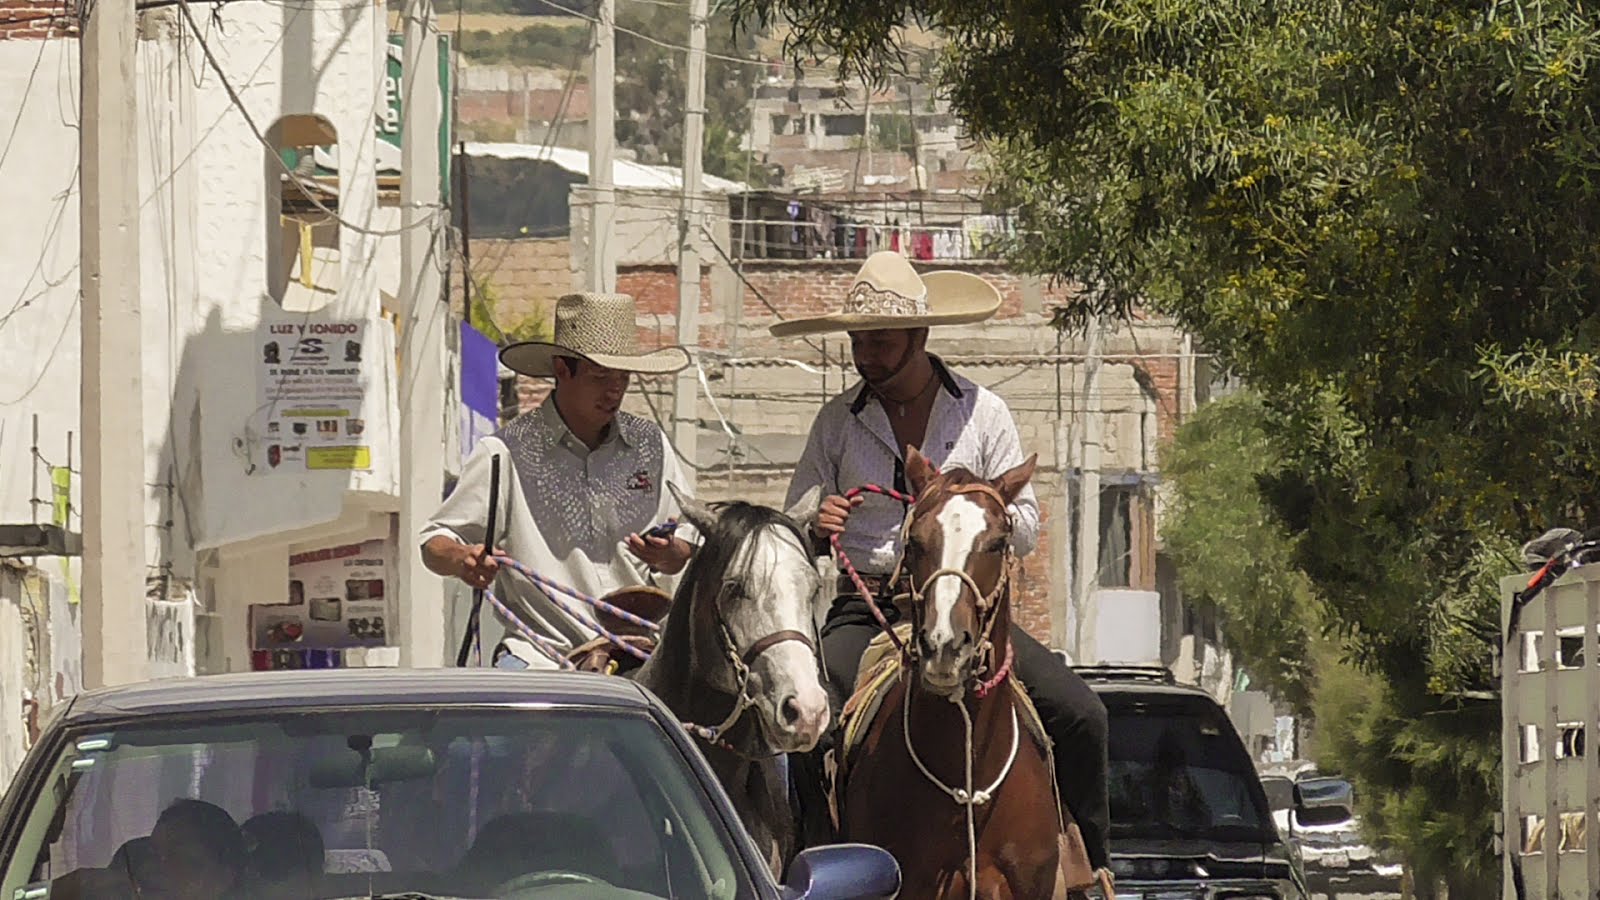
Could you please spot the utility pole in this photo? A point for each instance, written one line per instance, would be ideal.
(685, 394)
(112, 389)
(422, 375)
(1088, 569)
(602, 268)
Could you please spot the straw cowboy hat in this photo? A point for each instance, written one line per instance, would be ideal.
(600, 328)
(888, 293)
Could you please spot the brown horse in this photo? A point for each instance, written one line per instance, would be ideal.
(949, 777)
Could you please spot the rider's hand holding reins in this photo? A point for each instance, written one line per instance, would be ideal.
(468, 562)
(833, 514)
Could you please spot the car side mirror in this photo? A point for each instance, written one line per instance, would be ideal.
(843, 872)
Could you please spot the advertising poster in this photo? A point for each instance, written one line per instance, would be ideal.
(311, 386)
(338, 599)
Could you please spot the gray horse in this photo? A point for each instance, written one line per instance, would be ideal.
(738, 653)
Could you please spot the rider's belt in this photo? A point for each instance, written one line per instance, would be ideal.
(879, 585)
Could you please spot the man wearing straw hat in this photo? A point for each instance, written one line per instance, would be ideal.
(581, 483)
(908, 397)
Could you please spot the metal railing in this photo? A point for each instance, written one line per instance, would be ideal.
(974, 238)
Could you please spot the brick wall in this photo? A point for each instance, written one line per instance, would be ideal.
(525, 276)
(655, 289)
(34, 20)
(1030, 601)
(514, 106)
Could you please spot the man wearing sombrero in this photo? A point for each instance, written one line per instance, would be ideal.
(908, 397)
(581, 481)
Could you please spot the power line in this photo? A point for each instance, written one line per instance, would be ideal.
(711, 239)
(275, 152)
(22, 104)
(666, 45)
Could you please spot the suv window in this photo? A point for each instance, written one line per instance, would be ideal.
(1179, 770)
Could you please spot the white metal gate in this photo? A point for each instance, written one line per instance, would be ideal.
(1550, 681)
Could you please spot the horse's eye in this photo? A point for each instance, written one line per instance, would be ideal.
(998, 545)
(913, 547)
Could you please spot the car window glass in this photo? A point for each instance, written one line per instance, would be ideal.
(340, 804)
(1180, 770)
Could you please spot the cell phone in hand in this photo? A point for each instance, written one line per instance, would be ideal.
(664, 530)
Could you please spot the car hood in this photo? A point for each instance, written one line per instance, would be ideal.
(1247, 859)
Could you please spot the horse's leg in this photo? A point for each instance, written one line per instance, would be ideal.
(993, 885)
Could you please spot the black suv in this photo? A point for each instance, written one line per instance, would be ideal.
(1189, 818)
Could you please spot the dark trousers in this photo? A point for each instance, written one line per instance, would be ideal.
(1073, 716)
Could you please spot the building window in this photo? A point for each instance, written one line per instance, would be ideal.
(1116, 535)
(304, 271)
(844, 126)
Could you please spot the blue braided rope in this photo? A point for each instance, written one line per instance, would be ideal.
(558, 587)
(550, 647)
(554, 590)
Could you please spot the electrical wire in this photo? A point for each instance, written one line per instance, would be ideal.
(746, 282)
(22, 104)
(274, 152)
(666, 45)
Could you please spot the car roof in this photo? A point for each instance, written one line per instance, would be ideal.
(324, 688)
(1144, 680)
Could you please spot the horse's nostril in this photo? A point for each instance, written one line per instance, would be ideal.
(791, 710)
(966, 639)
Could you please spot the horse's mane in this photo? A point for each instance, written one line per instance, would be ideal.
(708, 568)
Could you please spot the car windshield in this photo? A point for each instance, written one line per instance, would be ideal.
(1178, 770)
(581, 803)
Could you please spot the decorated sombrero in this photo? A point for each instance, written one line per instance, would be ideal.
(888, 293)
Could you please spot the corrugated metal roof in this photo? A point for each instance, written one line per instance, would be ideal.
(625, 174)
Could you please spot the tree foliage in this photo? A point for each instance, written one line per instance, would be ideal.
(1383, 215)
(1232, 553)
(651, 86)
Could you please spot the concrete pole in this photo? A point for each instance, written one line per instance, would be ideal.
(422, 375)
(112, 390)
(685, 394)
(1088, 570)
(602, 269)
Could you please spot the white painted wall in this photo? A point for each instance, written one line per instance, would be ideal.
(38, 264)
(203, 187)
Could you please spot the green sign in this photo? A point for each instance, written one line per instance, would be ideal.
(392, 116)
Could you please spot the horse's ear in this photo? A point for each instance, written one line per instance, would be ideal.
(1011, 483)
(804, 511)
(920, 471)
(701, 515)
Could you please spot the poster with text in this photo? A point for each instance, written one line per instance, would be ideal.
(312, 382)
(338, 598)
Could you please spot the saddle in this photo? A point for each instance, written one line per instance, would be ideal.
(601, 655)
(881, 668)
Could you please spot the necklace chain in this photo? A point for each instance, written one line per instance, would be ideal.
(903, 404)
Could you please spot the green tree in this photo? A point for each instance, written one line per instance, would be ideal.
(1380, 213)
(1233, 554)
(652, 80)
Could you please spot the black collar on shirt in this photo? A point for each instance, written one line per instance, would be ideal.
(939, 368)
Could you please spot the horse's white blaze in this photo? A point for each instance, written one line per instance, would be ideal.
(961, 521)
(784, 579)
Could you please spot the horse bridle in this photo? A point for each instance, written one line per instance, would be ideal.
(988, 604)
(741, 662)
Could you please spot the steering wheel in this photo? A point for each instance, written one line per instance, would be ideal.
(533, 880)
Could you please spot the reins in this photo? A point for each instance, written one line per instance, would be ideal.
(968, 798)
(850, 569)
(740, 662)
